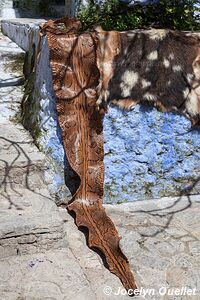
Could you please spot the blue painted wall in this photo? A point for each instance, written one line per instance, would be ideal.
(149, 154)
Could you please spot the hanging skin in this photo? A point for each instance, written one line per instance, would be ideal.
(75, 73)
(157, 67)
(91, 70)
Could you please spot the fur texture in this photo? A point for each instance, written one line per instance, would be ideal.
(158, 67)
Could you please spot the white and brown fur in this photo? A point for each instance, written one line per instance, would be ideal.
(158, 67)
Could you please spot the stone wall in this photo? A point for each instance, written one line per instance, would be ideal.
(148, 154)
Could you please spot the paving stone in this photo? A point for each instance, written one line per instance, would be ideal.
(53, 275)
(176, 232)
(194, 248)
(163, 248)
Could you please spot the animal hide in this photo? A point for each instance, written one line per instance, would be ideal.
(91, 70)
(156, 67)
(73, 58)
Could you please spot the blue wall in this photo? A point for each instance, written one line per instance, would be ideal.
(149, 154)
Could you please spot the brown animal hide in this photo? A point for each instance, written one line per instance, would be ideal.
(75, 79)
(158, 67)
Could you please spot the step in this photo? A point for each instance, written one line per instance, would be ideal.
(10, 53)
(30, 233)
(7, 46)
(29, 221)
(74, 272)
(21, 163)
(11, 78)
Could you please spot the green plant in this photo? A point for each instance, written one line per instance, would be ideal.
(113, 15)
(174, 14)
(43, 6)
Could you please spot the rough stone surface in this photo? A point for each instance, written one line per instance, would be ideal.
(148, 154)
(158, 238)
(55, 275)
(161, 239)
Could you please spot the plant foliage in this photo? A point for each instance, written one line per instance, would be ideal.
(114, 15)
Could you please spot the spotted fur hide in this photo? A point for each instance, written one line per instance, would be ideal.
(156, 67)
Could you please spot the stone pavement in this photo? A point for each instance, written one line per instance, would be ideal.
(162, 240)
(44, 256)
